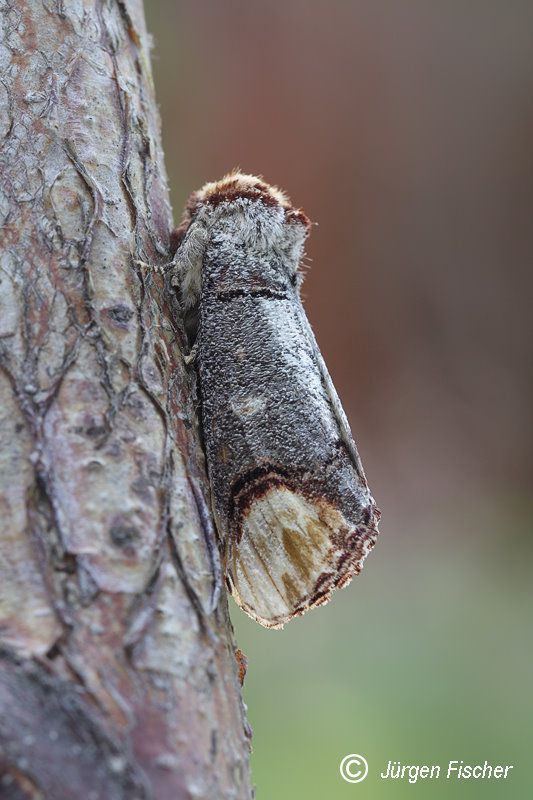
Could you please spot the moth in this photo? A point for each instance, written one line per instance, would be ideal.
(291, 502)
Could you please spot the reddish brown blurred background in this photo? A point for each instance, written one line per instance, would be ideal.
(405, 131)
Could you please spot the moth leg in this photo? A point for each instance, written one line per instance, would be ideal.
(187, 264)
(160, 269)
(187, 278)
(190, 358)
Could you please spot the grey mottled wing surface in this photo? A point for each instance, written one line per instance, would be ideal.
(289, 491)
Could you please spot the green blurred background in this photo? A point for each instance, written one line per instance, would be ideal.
(404, 129)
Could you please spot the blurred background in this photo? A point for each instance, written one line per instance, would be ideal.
(404, 129)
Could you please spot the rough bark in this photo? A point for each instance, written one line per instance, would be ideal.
(118, 676)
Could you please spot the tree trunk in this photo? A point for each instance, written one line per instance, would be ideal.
(118, 676)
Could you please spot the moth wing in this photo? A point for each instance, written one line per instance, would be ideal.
(292, 552)
(338, 411)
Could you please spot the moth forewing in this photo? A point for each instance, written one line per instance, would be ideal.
(290, 498)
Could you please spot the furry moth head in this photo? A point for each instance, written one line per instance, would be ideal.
(290, 498)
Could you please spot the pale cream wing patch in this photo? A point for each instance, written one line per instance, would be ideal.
(287, 545)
